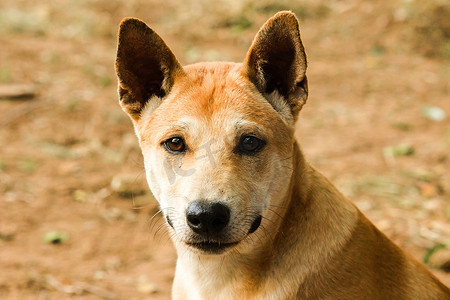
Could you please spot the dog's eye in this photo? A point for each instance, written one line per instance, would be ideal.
(175, 145)
(250, 144)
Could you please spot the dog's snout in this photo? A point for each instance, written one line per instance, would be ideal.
(207, 218)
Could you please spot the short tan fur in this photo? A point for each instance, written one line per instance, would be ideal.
(250, 218)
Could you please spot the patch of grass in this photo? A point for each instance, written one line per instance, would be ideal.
(55, 58)
(237, 24)
(377, 50)
(398, 150)
(431, 251)
(28, 165)
(72, 104)
(403, 126)
(5, 74)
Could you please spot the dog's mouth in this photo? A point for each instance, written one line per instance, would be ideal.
(217, 246)
(214, 247)
(211, 247)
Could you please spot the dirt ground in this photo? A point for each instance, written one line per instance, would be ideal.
(375, 124)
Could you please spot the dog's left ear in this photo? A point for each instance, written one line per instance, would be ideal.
(145, 66)
(276, 62)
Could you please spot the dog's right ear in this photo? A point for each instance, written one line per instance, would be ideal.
(145, 66)
(276, 63)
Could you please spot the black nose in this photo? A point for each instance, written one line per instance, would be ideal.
(207, 218)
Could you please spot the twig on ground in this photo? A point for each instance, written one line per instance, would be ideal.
(17, 91)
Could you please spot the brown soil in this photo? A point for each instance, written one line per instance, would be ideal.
(69, 160)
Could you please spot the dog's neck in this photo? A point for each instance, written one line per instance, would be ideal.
(313, 213)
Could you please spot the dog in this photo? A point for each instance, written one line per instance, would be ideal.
(249, 217)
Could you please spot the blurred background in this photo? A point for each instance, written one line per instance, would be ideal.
(75, 211)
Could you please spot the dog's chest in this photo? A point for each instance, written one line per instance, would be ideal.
(222, 281)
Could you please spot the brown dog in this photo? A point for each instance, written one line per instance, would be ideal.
(249, 217)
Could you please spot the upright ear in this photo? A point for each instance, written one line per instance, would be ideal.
(276, 63)
(145, 66)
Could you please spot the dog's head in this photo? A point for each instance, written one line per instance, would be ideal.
(217, 138)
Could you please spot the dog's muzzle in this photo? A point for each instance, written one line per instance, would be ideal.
(209, 221)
